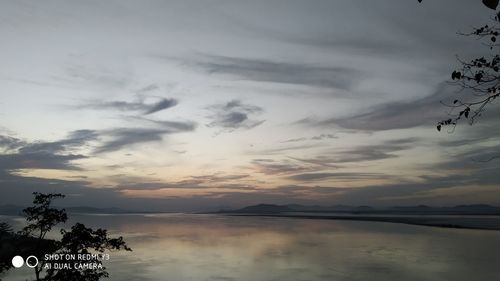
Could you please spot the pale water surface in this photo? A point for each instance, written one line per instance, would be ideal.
(211, 247)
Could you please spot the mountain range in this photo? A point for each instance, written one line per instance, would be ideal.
(475, 209)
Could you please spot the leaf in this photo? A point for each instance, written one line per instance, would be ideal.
(478, 77)
(492, 4)
(456, 75)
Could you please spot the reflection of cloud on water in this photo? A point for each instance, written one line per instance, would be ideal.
(234, 248)
(211, 247)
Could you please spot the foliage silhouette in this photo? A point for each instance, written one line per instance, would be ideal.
(6, 249)
(492, 4)
(478, 78)
(41, 218)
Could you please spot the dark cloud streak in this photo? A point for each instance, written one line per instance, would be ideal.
(394, 115)
(234, 115)
(44, 155)
(261, 70)
(340, 175)
(123, 137)
(140, 106)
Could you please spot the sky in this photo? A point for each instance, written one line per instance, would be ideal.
(194, 105)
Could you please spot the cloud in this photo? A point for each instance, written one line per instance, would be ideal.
(212, 181)
(94, 76)
(286, 149)
(139, 106)
(120, 138)
(321, 160)
(476, 182)
(148, 88)
(339, 175)
(479, 188)
(298, 191)
(364, 153)
(472, 162)
(44, 155)
(179, 126)
(361, 153)
(10, 143)
(124, 137)
(318, 137)
(272, 167)
(261, 70)
(59, 154)
(39, 161)
(394, 115)
(160, 105)
(374, 152)
(295, 140)
(234, 115)
(18, 190)
(324, 136)
(216, 178)
(75, 139)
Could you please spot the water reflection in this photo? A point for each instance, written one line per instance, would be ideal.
(210, 247)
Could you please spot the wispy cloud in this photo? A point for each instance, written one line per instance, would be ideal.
(374, 152)
(75, 140)
(93, 76)
(44, 155)
(224, 181)
(425, 111)
(39, 161)
(166, 124)
(120, 138)
(148, 88)
(10, 143)
(318, 137)
(334, 158)
(124, 137)
(273, 167)
(262, 70)
(138, 106)
(340, 175)
(234, 115)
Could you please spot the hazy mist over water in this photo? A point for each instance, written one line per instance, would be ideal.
(213, 247)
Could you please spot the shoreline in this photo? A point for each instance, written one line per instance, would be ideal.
(456, 222)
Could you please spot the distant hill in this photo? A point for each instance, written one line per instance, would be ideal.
(265, 208)
(270, 208)
(477, 209)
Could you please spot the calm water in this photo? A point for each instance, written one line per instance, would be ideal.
(210, 247)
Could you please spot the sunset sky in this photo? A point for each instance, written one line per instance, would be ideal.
(191, 105)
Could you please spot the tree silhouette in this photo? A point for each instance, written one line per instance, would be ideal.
(478, 78)
(492, 4)
(6, 249)
(83, 240)
(41, 218)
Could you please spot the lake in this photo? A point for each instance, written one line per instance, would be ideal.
(214, 247)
